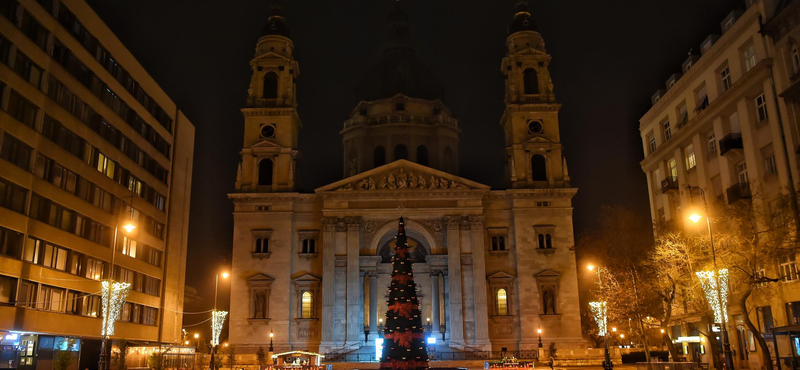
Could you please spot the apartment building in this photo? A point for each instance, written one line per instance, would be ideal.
(88, 141)
(728, 123)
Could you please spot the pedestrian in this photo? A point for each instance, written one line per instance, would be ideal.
(551, 362)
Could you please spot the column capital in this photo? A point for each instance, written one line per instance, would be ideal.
(464, 225)
(453, 222)
(329, 223)
(353, 223)
(341, 225)
(476, 221)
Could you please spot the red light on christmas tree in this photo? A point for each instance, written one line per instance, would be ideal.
(404, 337)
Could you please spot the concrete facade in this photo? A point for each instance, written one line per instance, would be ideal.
(733, 131)
(491, 266)
(89, 141)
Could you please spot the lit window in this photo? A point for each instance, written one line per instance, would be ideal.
(673, 169)
(128, 247)
(502, 302)
(761, 107)
(691, 161)
(308, 304)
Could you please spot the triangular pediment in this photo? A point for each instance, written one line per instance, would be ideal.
(260, 277)
(307, 277)
(270, 56)
(547, 274)
(500, 275)
(265, 144)
(403, 175)
(539, 140)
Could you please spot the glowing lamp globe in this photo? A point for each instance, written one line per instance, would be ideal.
(129, 227)
(695, 217)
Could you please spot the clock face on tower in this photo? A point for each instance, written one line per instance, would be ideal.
(535, 126)
(268, 131)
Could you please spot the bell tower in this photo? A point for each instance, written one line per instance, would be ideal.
(530, 120)
(271, 122)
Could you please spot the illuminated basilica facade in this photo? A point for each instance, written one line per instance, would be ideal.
(492, 266)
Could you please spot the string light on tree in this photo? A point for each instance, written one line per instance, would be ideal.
(709, 283)
(217, 320)
(600, 317)
(113, 296)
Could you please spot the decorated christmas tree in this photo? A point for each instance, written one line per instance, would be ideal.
(404, 340)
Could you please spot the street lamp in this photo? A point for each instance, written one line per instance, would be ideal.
(218, 318)
(114, 293)
(696, 217)
(607, 364)
(540, 336)
(271, 334)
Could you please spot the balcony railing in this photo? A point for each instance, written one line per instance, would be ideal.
(738, 192)
(730, 142)
(670, 183)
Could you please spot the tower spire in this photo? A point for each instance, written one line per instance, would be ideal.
(522, 19)
(276, 23)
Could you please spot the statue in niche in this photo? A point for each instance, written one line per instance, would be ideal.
(260, 305)
(549, 300)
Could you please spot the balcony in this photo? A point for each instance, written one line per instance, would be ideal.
(730, 142)
(668, 184)
(738, 192)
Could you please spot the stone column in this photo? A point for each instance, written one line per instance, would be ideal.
(435, 304)
(479, 283)
(373, 304)
(355, 320)
(328, 283)
(456, 307)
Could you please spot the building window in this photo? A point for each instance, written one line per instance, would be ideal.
(8, 289)
(10, 243)
(761, 107)
(27, 294)
(545, 241)
(498, 243)
(16, 152)
(667, 130)
(712, 145)
(422, 155)
(22, 109)
(12, 196)
(538, 168)
(260, 305)
(691, 161)
(749, 54)
(378, 156)
(309, 246)
(725, 79)
(307, 305)
(788, 267)
(262, 245)
(28, 70)
(502, 302)
(652, 142)
(531, 80)
(94, 269)
(270, 85)
(106, 165)
(128, 246)
(265, 172)
(795, 59)
(400, 152)
(769, 165)
(51, 299)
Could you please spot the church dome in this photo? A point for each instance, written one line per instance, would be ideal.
(399, 71)
(276, 24)
(522, 20)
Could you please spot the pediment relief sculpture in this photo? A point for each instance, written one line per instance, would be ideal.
(403, 180)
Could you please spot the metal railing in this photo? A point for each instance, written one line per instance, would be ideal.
(738, 192)
(437, 356)
(667, 366)
(670, 183)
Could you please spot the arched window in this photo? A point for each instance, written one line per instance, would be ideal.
(541, 241)
(400, 152)
(262, 245)
(306, 309)
(379, 157)
(538, 168)
(531, 79)
(422, 155)
(309, 246)
(265, 172)
(498, 243)
(502, 302)
(270, 85)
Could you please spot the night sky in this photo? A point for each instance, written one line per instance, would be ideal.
(609, 57)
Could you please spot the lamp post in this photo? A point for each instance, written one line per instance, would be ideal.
(695, 217)
(540, 337)
(216, 293)
(128, 227)
(607, 364)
